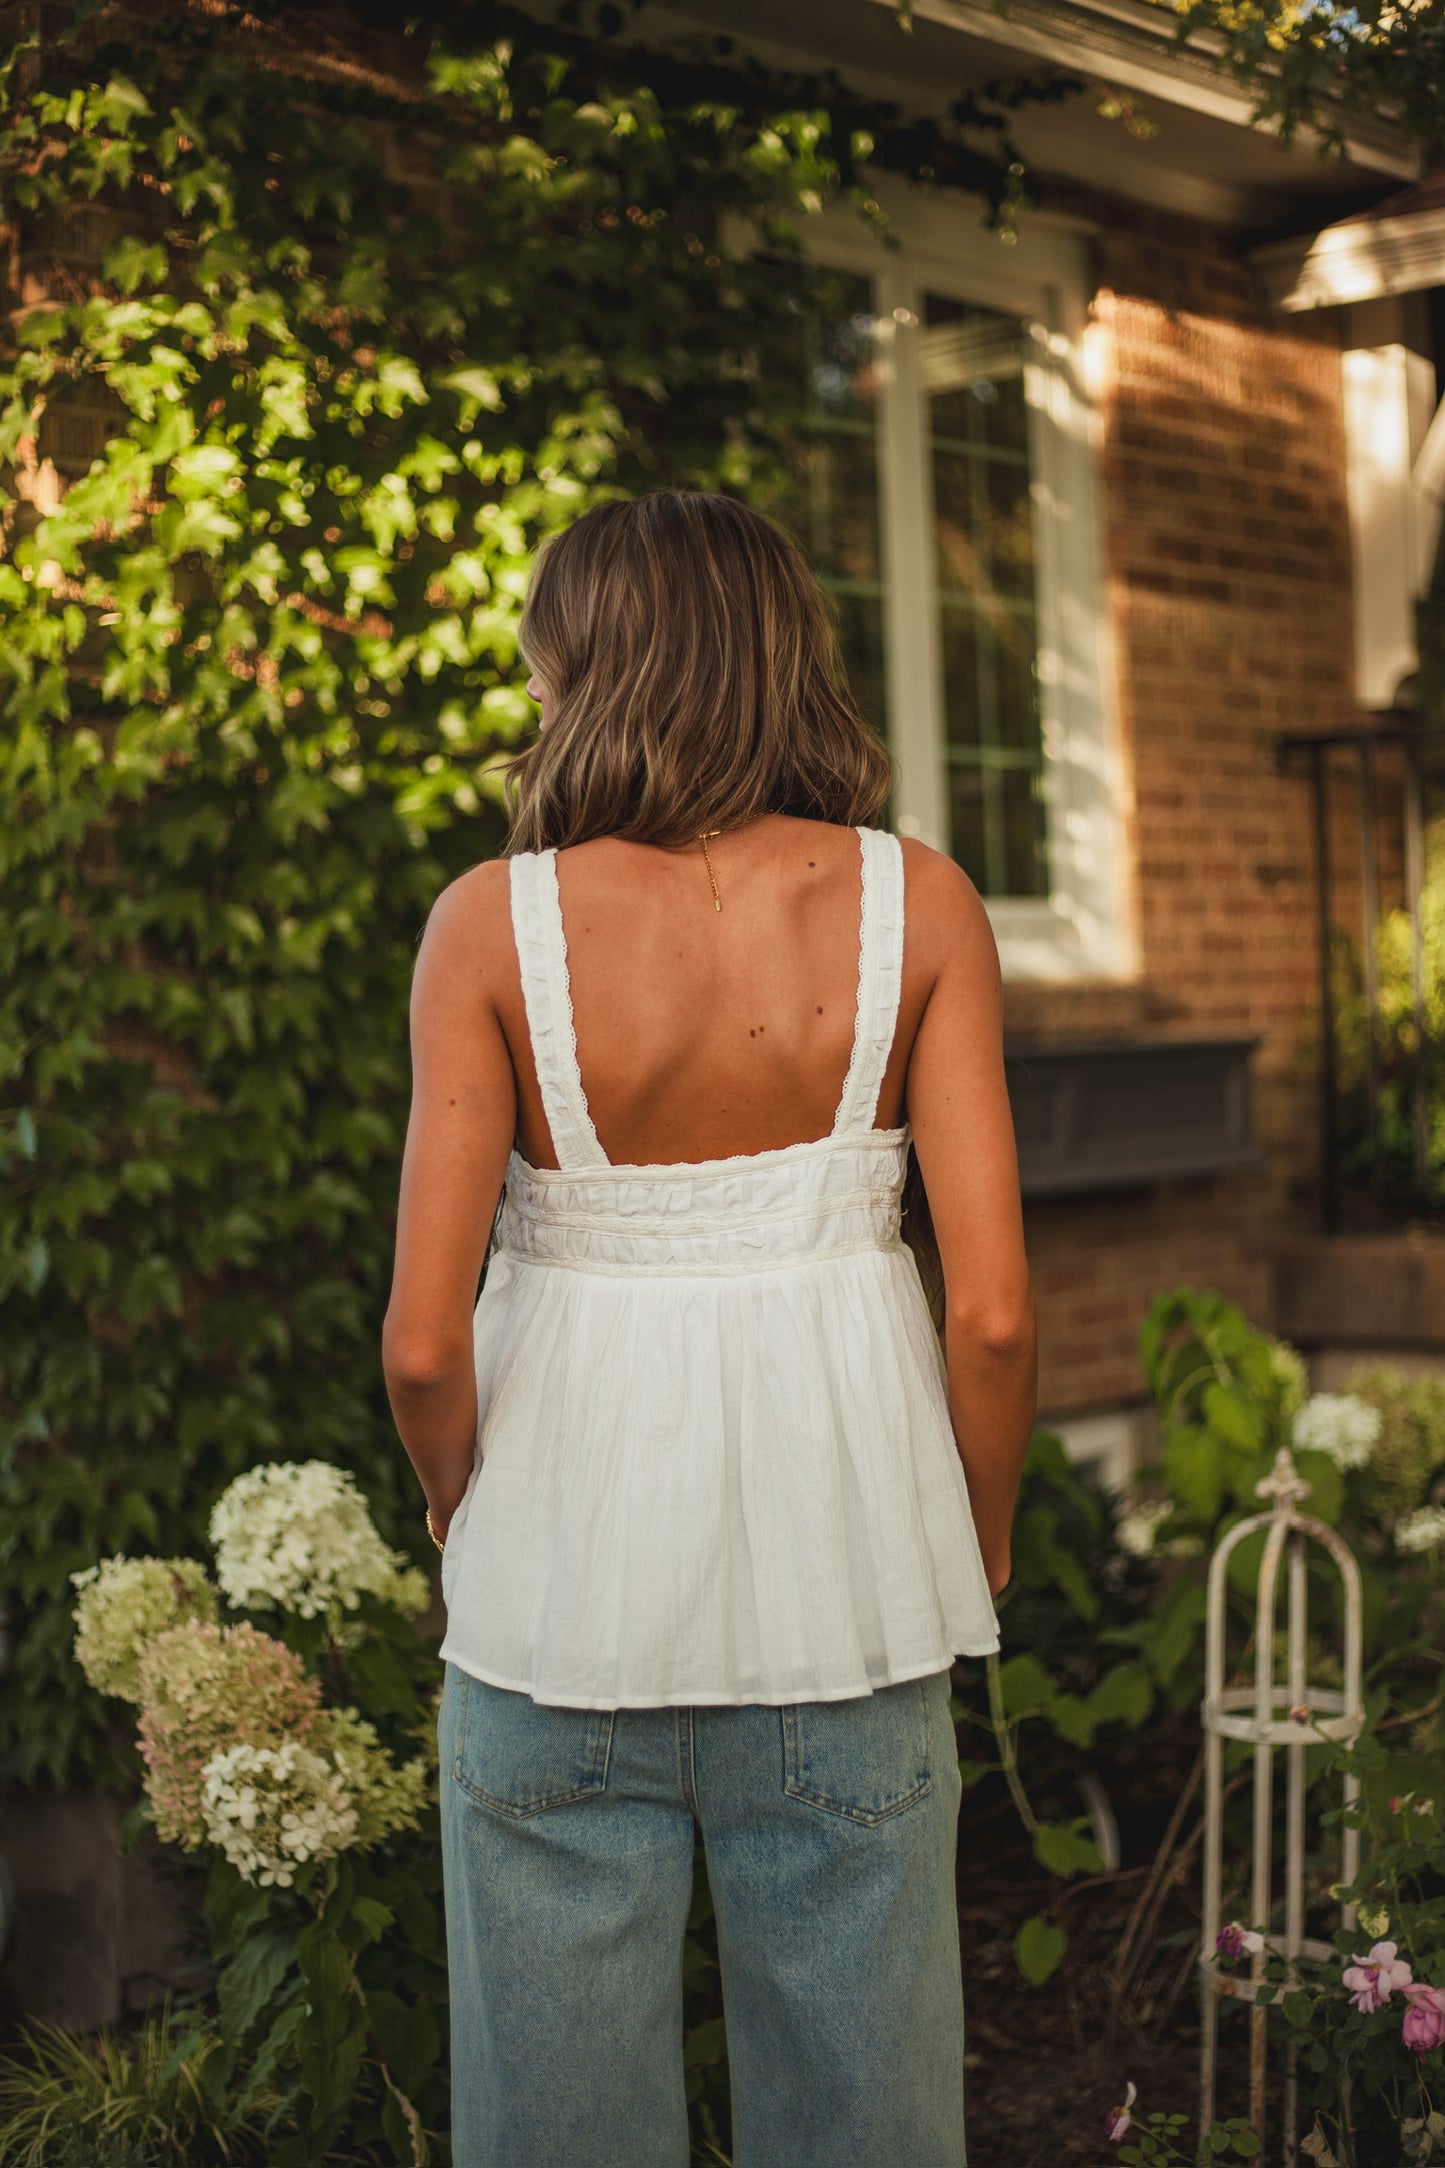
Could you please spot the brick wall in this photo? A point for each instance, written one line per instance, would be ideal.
(1228, 578)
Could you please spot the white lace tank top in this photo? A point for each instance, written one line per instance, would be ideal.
(714, 1456)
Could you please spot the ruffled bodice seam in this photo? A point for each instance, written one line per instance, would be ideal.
(673, 1268)
(677, 1170)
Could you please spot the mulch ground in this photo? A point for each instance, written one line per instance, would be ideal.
(1046, 2064)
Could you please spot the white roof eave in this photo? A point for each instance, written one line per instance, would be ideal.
(1360, 259)
(1131, 43)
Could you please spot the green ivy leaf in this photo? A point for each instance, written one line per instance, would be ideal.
(1038, 1949)
(1065, 1850)
(1193, 1472)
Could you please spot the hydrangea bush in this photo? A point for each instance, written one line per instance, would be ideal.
(296, 1762)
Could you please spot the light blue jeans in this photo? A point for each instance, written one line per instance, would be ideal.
(829, 1829)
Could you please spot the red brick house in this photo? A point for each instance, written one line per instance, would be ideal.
(1110, 503)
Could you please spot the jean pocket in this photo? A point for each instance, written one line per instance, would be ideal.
(865, 1759)
(519, 1757)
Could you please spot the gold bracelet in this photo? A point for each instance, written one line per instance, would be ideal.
(436, 1539)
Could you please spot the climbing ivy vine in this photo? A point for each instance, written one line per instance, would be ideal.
(321, 329)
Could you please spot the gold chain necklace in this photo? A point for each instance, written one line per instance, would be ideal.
(705, 836)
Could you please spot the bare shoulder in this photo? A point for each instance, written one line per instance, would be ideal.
(469, 928)
(948, 927)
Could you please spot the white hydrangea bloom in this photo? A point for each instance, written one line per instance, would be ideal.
(1139, 1527)
(1340, 1424)
(270, 1809)
(298, 1535)
(1421, 1530)
(124, 1605)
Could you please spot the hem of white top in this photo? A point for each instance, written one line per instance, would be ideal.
(701, 1698)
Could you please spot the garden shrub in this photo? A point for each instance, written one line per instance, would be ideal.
(146, 2101)
(1103, 1623)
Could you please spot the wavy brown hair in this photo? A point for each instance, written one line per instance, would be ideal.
(693, 670)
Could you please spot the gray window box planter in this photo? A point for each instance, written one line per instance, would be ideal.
(1117, 1113)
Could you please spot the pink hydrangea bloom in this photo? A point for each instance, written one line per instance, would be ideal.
(1424, 2028)
(205, 1687)
(1371, 1981)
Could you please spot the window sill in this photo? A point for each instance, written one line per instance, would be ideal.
(1039, 944)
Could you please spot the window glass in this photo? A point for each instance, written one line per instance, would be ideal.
(973, 384)
(830, 498)
(976, 427)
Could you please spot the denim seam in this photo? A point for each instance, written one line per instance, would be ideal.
(687, 1761)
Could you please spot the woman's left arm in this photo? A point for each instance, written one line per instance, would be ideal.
(463, 1116)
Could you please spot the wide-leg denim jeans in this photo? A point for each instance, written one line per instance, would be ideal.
(829, 1829)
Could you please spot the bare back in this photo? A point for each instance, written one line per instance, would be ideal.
(706, 1033)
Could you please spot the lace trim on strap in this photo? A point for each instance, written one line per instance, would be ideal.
(547, 992)
(880, 979)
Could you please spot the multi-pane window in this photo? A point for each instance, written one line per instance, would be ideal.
(944, 486)
(983, 558)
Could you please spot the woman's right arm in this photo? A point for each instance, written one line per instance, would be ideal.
(958, 1109)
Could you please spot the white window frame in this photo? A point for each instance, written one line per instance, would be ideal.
(1083, 928)
(1105, 1445)
(1389, 402)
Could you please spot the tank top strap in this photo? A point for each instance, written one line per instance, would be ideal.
(880, 980)
(547, 993)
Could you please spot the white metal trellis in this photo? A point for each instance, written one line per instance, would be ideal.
(1287, 1712)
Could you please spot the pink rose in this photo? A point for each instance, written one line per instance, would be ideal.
(1372, 1980)
(1237, 1941)
(1424, 2028)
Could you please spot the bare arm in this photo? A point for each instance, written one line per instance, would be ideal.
(463, 1115)
(963, 1132)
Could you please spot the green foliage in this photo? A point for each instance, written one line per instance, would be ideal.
(1159, 2138)
(138, 2102)
(1102, 1641)
(356, 347)
(1225, 1398)
(1401, 1032)
(1324, 67)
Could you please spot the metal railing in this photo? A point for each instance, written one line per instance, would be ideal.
(1380, 1060)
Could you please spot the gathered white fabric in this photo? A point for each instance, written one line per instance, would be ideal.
(714, 1455)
